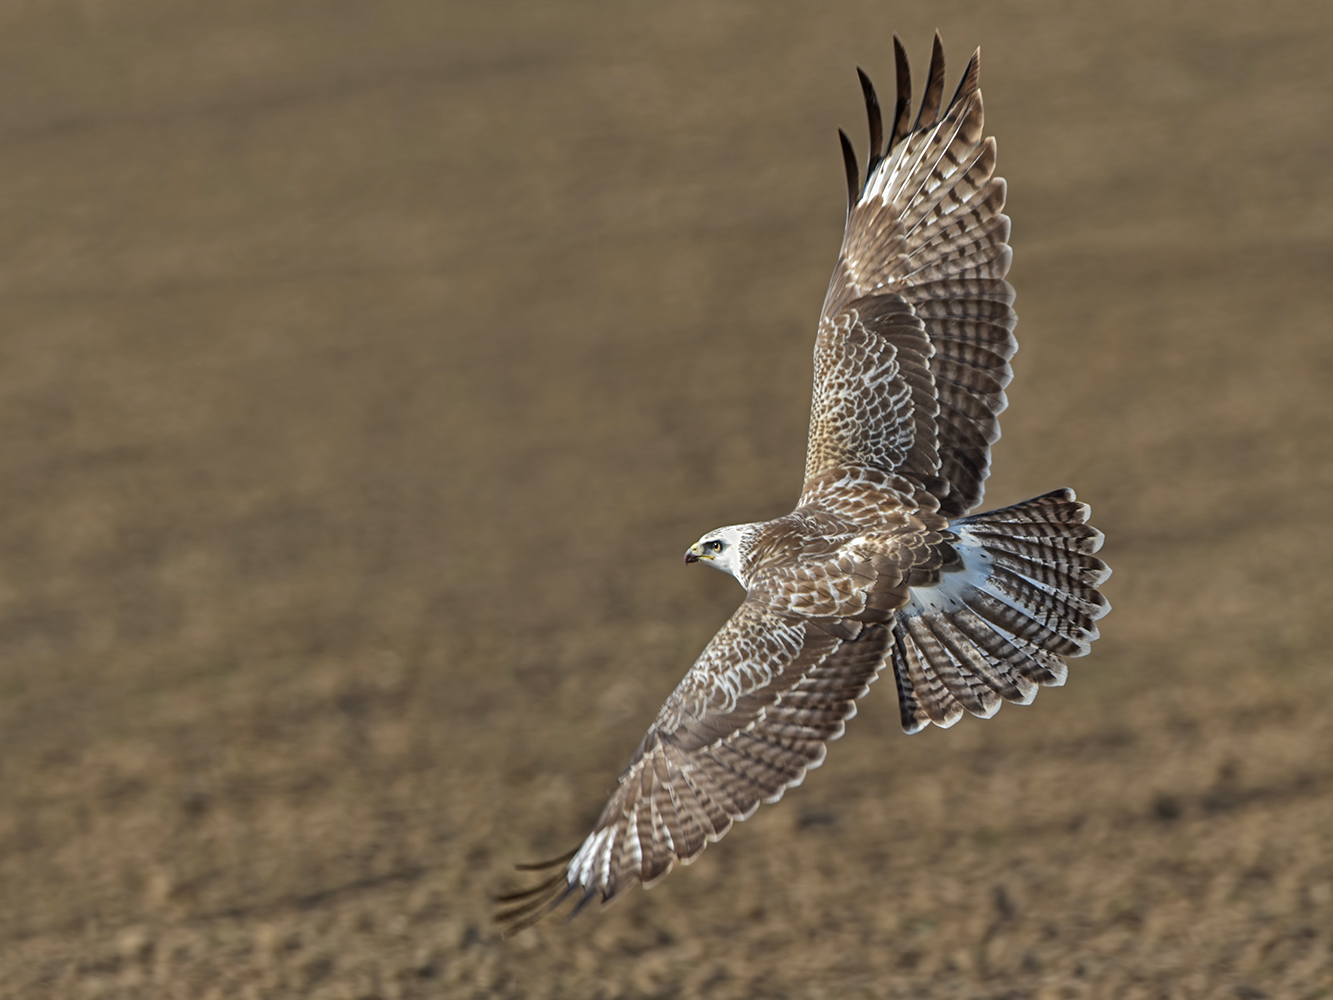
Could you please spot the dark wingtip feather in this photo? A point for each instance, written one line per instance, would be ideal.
(902, 107)
(876, 122)
(853, 174)
(527, 895)
(930, 104)
(584, 900)
(971, 78)
(531, 905)
(541, 866)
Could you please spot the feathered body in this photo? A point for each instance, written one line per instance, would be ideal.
(879, 563)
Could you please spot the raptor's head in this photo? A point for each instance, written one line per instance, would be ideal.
(723, 548)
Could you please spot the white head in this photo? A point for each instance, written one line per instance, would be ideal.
(724, 549)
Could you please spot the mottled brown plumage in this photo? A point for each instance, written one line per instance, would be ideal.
(878, 563)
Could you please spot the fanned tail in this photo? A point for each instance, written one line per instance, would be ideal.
(1002, 621)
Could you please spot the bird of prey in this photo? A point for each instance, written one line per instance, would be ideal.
(881, 563)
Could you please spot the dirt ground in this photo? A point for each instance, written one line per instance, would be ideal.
(366, 368)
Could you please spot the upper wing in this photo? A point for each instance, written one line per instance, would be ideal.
(926, 242)
(745, 724)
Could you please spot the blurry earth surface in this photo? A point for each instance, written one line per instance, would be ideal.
(366, 368)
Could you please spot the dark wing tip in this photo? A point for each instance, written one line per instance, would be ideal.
(538, 904)
(930, 103)
(902, 107)
(876, 121)
(853, 173)
(541, 866)
(967, 86)
(524, 907)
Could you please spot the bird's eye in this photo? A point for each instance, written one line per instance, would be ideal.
(715, 546)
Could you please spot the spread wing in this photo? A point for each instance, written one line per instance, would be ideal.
(916, 333)
(745, 724)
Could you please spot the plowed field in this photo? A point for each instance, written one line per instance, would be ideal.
(366, 368)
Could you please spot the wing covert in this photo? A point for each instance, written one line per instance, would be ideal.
(874, 399)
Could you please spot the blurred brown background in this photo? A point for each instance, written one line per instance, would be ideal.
(366, 368)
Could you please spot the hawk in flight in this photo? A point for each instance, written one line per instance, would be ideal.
(880, 563)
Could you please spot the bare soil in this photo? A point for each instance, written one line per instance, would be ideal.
(366, 368)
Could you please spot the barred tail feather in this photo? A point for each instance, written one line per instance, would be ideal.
(1000, 624)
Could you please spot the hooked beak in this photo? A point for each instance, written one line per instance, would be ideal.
(692, 554)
